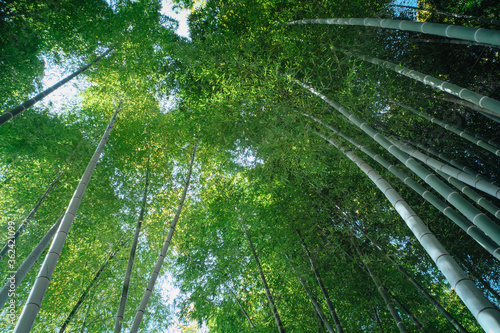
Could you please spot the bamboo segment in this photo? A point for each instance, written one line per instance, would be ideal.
(451, 31)
(152, 280)
(38, 290)
(492, 106)
(485, 313)
(474, 231)
(25, 267)
(29, 103)
(462, 133)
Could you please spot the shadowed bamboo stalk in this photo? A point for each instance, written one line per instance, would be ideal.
(241, 307)
(152, 280)
(462, 133)
(449, 41)
(328, 301)
(25, 267)
(492, 106)
(313, 299)
(451, 31)
(405, 309)
(474, 231)
(130, 264)
(29, 103)
(417, 285)
(381, 289)
(38, 290)
(484, 312)
(13, 239)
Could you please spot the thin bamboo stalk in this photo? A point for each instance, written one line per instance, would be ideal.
(152, 280)
(29, 103)
(38, 290)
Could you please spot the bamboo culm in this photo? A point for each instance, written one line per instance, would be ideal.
(23, 225)
(462, 133)
(484, 312)
(328, 301)
(405, 309)
(381, 289)
(470, 211)
(29, 103)
(451, 31)
(152, 280)
(38, 290)
(130, 264)
(489, 104)
(16, 279)
(417, 285)
(471, 229)
(272, 305)
(313, 300)
(241, 307)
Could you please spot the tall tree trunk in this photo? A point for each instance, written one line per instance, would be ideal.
(417, 285)
(492, 106)
(92, 283)
(29, 103)
(440, 12)
(485, 313)
(37, 293)
(274, 310)
(451, 31)
(23, 225)
(314, 302)
(130, 265)
(471, 229)
(241, 307)
(328, 301)
(462, 133)
(152, 280)
(9, 288)
(381, 289)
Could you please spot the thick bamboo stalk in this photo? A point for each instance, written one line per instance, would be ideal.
(313, 299)
(29, 103)
(492, 106)
(484, 312)
(465, 207)
(451, 31)
(23, 225)
(381, 289)
(328, 301)
(269, 295)
(417, 285)
(38, 290)
(462, 133)
(9, 288)
(474, 231)
(478, 199)
(152, 280)
(130, 265)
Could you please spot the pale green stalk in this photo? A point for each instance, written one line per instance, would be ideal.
(152, 280)
(485, 313)
(492, 106)
(451, 31)
(462, 133)
(37, 293)
(474, 231)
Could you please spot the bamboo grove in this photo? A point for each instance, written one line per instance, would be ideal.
(302, 166)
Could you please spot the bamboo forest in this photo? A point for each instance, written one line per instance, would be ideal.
(282, 166)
